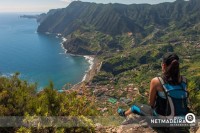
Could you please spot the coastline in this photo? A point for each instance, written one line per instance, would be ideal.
(90, 60)
(94, 67)
(89, 75)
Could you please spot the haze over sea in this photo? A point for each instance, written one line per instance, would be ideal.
(38, 57)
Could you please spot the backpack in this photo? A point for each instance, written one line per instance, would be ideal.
(176, 98)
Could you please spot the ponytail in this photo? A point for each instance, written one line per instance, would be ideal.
(172, 72)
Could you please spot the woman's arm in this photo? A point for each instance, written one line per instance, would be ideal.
(153, 91)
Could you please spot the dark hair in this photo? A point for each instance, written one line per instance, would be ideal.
(172, 72)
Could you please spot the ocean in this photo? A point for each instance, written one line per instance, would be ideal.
(38, 57)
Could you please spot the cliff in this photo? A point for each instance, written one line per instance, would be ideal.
(116, 19)
(93, 29)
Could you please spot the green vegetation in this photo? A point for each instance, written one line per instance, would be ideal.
(102, 29)
(115, 19)
(18, 98)
(130, 40)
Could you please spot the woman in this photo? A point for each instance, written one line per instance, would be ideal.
(171, 86)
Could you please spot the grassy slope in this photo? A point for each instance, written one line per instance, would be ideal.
(138, 64)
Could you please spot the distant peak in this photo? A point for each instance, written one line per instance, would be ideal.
(78, 2)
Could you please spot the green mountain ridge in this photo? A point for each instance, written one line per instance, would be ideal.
(116, 19)
(129, 41)
(82, 22)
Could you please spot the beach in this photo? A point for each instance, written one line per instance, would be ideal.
(94, 68)
(89, 75)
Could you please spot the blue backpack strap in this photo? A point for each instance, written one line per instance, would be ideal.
(169, 100)
(163, 83)
(164, 90)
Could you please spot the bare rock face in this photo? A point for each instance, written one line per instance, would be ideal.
(133, 124)
(130, 128)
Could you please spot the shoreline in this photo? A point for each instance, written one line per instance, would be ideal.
(90, 60)
(89, 75)
(94, 67)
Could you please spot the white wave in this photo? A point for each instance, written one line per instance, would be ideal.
(84, 78)
(64, 39)
(91, 62)
(62, 45)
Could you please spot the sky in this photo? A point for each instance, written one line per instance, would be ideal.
(45, 5)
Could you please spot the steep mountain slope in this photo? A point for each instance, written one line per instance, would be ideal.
(92, 28)
(118, 18)
(78, 15)
(129, 39)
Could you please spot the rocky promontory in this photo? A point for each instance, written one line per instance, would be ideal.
(77, 46)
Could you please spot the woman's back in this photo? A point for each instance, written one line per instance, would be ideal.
(172, 100)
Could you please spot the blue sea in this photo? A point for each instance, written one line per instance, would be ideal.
(38, 57)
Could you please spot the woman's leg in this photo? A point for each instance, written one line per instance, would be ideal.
(128, 112)
(134, 109)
